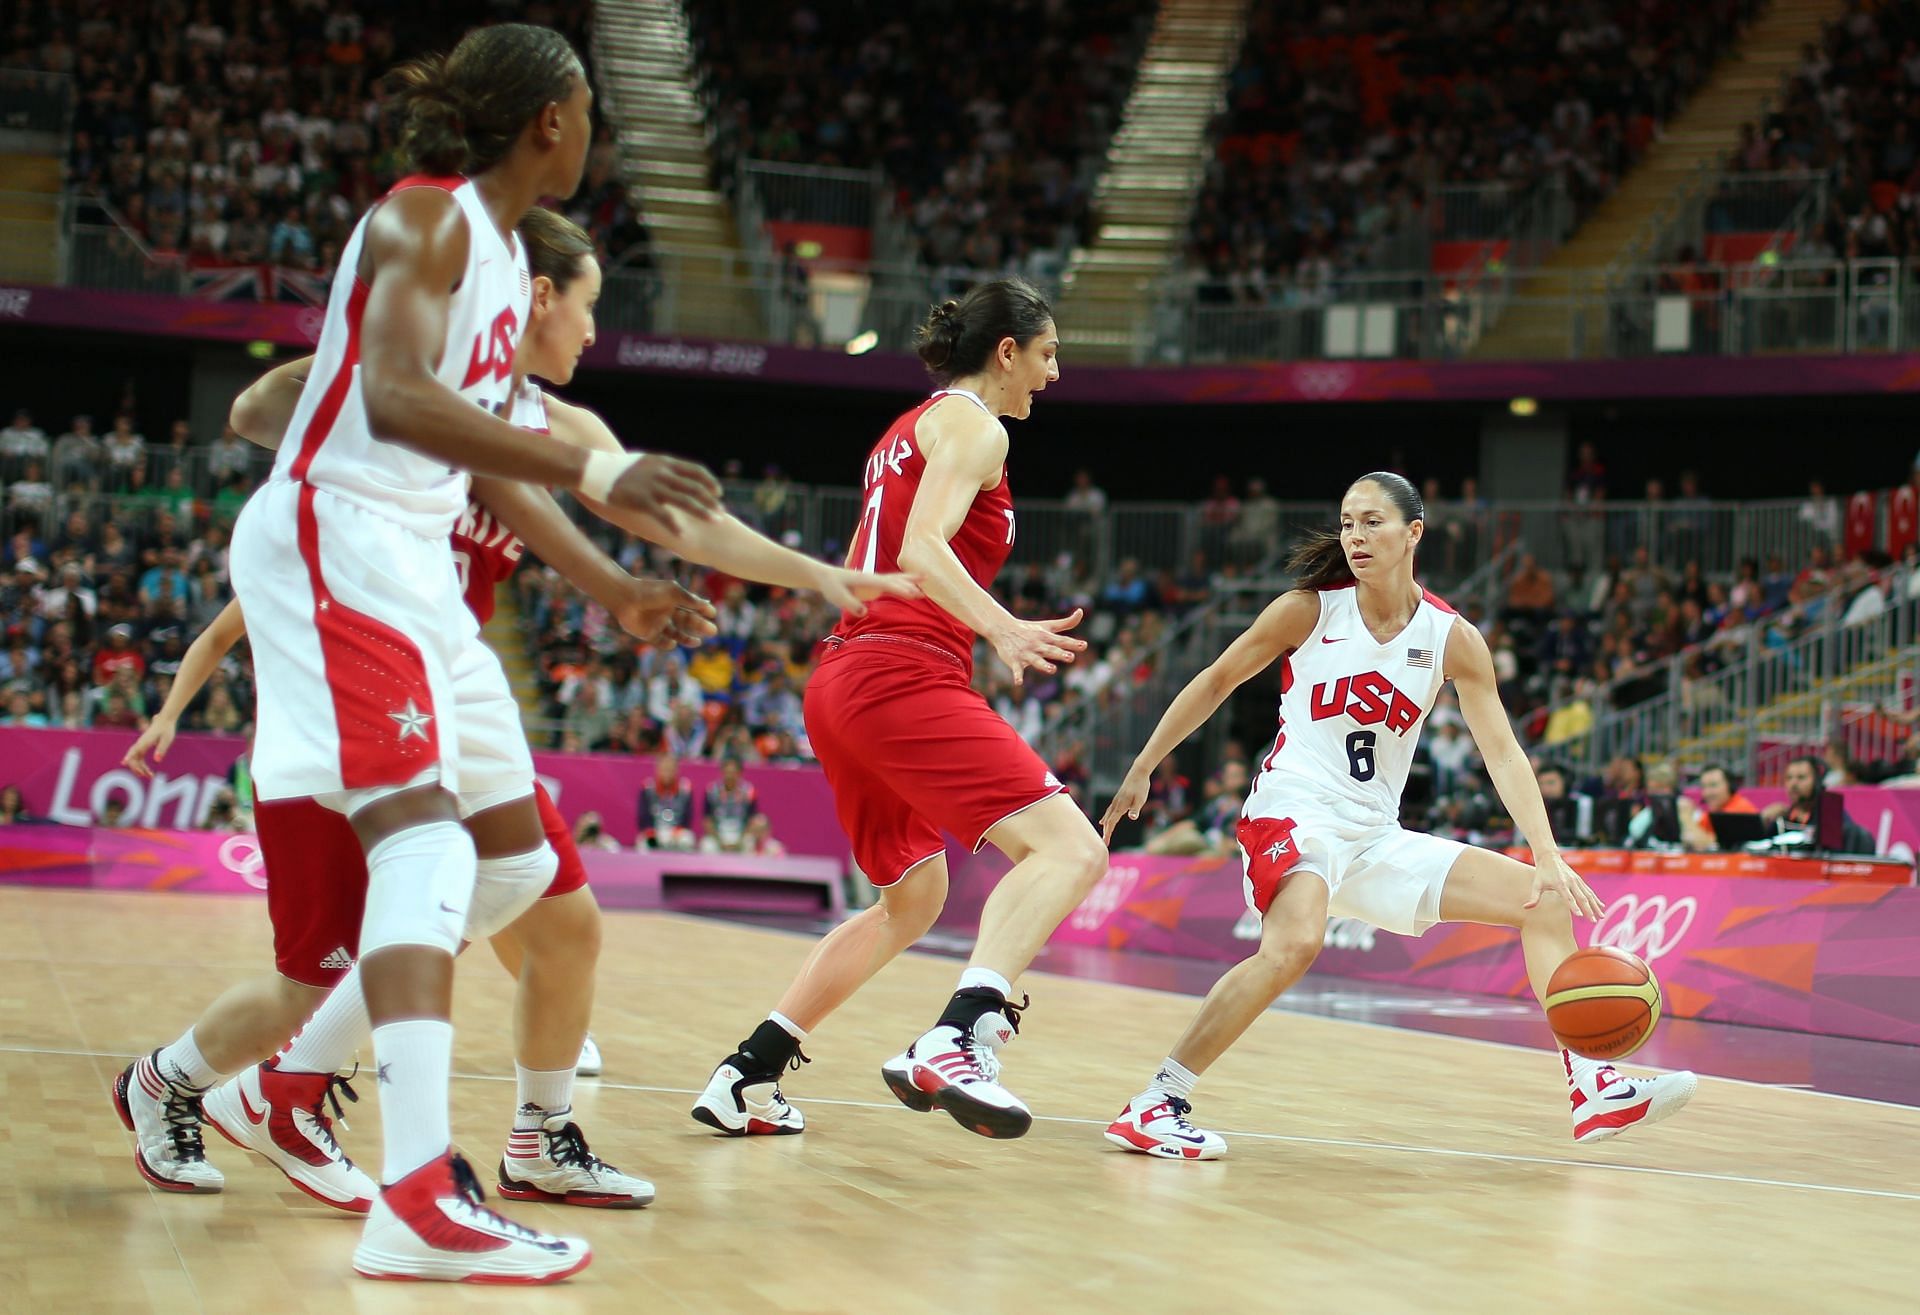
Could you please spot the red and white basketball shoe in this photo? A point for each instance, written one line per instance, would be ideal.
(552, 1163)
(1607, 1102)
(433, 1225)
(960, 1073)
(283, 1116)
(744, 1102)
(165, 1121)
(1154, 1123)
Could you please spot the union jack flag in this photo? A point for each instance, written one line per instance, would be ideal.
(1420, 657)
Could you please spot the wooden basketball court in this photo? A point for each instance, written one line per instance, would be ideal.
(1371, 1170)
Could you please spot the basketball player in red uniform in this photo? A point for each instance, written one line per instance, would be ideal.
(368, 664)
(552, 947)
(1365, 651)
(912, 749)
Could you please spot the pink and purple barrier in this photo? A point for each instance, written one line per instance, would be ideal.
(206, 863)
(69, 776)
(1828, 957)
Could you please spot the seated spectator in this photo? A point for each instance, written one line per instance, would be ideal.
(759, 838)
(685, 735)
(666, 808)
(1800, 812)
(1451, 750)
(1214, 829)
(1657, 821)
(588, 833)
(1530, 592)
(13, 807)
(30, 494)
(731, 803)
(21, 442)
(1569, 813)
(1719, 793)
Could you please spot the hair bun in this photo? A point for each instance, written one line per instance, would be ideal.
(940, 334)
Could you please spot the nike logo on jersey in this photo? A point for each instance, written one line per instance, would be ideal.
(1326, 639)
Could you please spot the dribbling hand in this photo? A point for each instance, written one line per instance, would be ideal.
(1042, 645)
(851, 591)
(1126, 802)
(158, 736)
(659, 485)
(661, 612)
(1554, 875)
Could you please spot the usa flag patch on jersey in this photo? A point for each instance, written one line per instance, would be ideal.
(1420, 657)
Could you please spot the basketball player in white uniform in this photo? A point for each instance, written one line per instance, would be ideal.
(1366, 650)
(366, 655)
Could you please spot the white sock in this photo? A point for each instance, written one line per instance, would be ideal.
(414, 1060)
(546, 1091)
(183, 1065)
(787, 1025)
(1174, 1079)
(338, 1028)
(1579, 1068)
(987, 977)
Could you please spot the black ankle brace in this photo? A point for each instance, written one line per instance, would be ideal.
(770, 1049)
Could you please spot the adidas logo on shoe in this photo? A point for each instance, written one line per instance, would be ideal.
(338, 959)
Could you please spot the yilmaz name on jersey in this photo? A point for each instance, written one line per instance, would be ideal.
(720, 358)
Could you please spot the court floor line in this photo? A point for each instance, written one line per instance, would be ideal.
(1342, 1143)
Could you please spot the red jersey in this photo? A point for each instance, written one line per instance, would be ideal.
(485, 552)
(982, 543)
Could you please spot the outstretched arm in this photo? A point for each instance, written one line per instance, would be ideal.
(1470, 666)
(721, 541)
(1285, 624)
(654, 611)
(202, 658)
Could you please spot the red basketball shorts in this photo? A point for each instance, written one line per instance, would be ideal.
(573, 873)
(911, 750)
(316, 888)
(317, 882)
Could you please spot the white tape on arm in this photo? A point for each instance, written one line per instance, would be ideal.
(603, 471)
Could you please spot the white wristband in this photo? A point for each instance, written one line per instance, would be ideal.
(604, 470)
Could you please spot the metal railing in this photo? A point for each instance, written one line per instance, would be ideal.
(1780, 693)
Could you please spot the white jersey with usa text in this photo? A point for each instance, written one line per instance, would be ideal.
(1351, 709)
(330, 444)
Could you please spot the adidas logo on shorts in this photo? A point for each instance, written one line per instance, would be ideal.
(338, 959)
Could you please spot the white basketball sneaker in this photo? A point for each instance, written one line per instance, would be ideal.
(745, 1102)
(433, 1225)
(283, 1116)
(588, 1065)
(1607, 1102)
(165, 1121)
(960, 1073)
(552, 1163)
(1155, 1123)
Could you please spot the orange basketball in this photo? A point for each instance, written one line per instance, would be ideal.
(1602, 1003)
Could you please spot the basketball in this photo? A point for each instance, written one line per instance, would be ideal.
(1602, 1003)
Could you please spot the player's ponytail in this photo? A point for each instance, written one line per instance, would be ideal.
(1319, 561)
(960, 337)
(557, 248)
(464, 111)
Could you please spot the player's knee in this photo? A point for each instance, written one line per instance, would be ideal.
(507, 886)
(1084, 857)
(294, 1003)
(1290, 947)
(419, 887)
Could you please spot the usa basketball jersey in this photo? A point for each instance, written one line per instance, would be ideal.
(982, 543)
(1351, 708)
(485, 552)
(333, 447)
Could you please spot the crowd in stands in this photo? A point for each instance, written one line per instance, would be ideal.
(1344, 119)
(231, 134)
(982, 116)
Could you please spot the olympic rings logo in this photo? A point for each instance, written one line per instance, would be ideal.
(240, 855)
(1649, 927)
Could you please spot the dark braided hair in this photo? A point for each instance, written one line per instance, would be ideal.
(464, 111)
(1320, 562)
